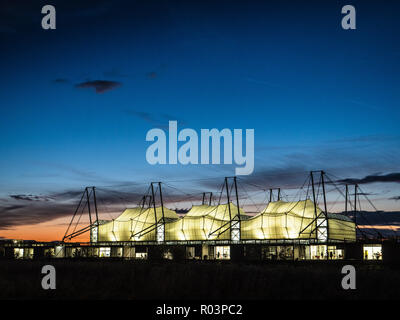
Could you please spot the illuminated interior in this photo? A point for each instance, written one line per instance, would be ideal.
(141, 255)
(318, 252)
(23, 253)
(279, 220)
(18, 253)
(222, 252)
(277, 253)
(105, 252)
(372, 252)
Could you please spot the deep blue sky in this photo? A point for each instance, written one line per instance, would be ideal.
(318, 96)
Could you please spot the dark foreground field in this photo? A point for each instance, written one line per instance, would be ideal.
(191, 280)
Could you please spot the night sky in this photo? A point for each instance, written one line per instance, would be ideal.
(76, 102)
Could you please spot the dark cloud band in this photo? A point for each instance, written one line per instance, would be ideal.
(100, 86)
(391, 177)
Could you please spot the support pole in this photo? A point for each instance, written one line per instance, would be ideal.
(73, 216)
(92, 224)
(326, 213)
(162, 203)
(162, 210)
(229, 207)
(237, 197)
(88, 203)
(355, 203)
(323, 190)
(142, 202)
(227, 194)
(203, 202)
(95, 205)
(237, 223)
(313, 192)
(90, 213)
(154, 207)
(347, 193)
(271, 194)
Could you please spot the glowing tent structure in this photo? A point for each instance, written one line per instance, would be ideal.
(301, 222)
(297, 220)
(279, 220)
(136, 224)
(203, 222)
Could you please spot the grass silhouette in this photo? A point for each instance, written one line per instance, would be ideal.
(106, 279)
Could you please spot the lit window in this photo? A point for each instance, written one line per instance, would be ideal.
(18, 253)
(318, 252)
(105, 252)
(141, 255)
(222, 252)
(190, 252)
(372, 252)
(335, 253)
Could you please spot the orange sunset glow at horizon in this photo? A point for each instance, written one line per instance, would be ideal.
(44, 232)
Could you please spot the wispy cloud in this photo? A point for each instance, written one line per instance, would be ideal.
(364, 104)
(61, 80)
(29, 197)
(391, 177)
(100, 86)
(57, 205)
(155, 73)
(158, 120)
(13, 207)
(146, 116)
(367, 139)
(380, 227)
(151, 75)
(265, 178)
(13, 216)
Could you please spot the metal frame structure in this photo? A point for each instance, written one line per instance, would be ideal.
(234, 223)
(203, 202)
(321, 228)
(149, 201)
(271, 194)
(86, 194)
(319, 236)
(159, 225)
